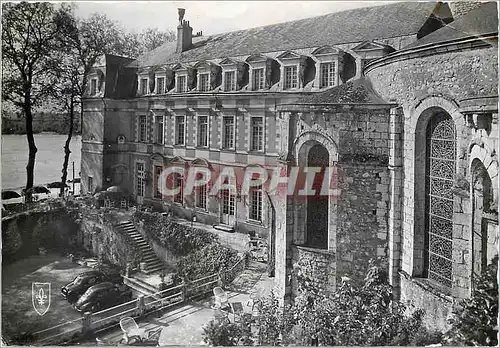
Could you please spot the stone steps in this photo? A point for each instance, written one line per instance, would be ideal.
(153, 264)
(224, 227)
(140, 286)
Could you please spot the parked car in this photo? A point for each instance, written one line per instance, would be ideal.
(39, 193)
(12, 197)
(102, 296)
(55, 188)
(72, 291)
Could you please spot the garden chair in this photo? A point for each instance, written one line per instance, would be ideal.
(237, 309)
(221, 298)
(131, 329)
(124, 203)
(255, 298)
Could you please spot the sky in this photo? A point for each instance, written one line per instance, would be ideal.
(213, 17)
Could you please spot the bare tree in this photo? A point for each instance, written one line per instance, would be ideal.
(30, 32)
(135, 45)
(85, 41)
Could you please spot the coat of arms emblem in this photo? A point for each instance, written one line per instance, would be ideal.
(40, 297)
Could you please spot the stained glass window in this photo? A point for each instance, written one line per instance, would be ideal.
(440, 172)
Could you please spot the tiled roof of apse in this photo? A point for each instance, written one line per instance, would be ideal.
(357, 91)
(482, 20)
(369, 23)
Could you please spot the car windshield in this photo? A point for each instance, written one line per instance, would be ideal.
(79, 279)
(87, 295)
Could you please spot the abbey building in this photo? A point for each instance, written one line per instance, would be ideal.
(400, 100)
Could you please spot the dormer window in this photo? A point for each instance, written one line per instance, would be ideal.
(160, 85)
(327, 74)
(290, 77)
(229, 81)
(204, 82)
(234, 74)
(259, 80)
(328, 61)
(182, 84)
(260, 71)
(144, 86)
(292, 70)
(93, 86)
(371, 50)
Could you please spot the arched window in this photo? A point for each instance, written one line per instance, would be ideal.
(440, 175)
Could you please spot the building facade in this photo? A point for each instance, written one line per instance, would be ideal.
(399, 102)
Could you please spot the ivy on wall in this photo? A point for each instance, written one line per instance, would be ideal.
(179, 239)
(201, 252)
(475, 321)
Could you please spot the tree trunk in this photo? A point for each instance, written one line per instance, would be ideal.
(67, 151)
(30, 167)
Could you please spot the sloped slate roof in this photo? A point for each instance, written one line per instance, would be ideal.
(358, 91)
(482, 20)
(356, 25)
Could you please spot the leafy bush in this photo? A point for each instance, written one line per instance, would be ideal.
(179, 239)
(272, 322)
(355, 315)
(210, 259)
(220, 332)
(475, 322)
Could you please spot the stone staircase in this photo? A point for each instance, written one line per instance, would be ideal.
(153, 264)
(224, 227)
(141, 287)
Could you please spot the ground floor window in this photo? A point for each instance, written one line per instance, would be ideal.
(256, 205)
(227, 202)
(201, 197)
(178, 183)
(158, 184)
(140, 179)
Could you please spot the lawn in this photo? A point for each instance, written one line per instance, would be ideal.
(18, 314)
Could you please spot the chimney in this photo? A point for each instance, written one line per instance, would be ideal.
(184, 33)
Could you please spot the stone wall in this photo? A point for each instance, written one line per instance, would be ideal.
(314, 266)
(357, 140)
(436, 80)
(24, 233)
(455, 75)
(416, 295)
(362, 215)
(101, 239)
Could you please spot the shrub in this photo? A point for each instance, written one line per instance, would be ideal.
(356, 315)
(179, 239)
(210, 259)
(221, 333)
(272, 322)
(353, 315)
(475, 322)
